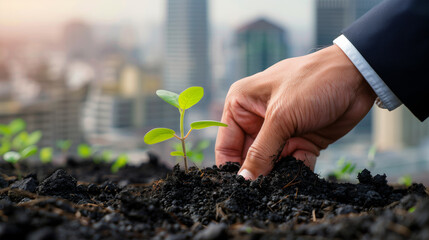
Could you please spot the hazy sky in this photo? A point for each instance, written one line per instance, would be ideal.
(42, 18)
(226, 12)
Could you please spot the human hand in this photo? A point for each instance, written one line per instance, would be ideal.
(296, 107)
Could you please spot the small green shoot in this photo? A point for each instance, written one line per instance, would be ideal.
(46, 155)
(64, 146)
(412, 209)
(84, 151)
(344, 169)
(120, 162)
(406, 180)
(102, 156)
(195, 154)
(183, 101)
(28, 152)
(14, 157)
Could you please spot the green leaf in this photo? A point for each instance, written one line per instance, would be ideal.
(206, 123)
(106, 155)
(412, 209)
(191, 96)
(29, 151)
(46, 154)
(177, 154)
(5, 130)
(5, 147)
(120, 162)
(84, 151)
(157, 135)
(17, 126)
(406, 180)
(18, 143)
(12, 157)
(169, 97)
(203, 145)
(64, 145)
(34, 138)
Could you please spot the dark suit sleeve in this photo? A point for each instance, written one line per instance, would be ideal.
(393, 37)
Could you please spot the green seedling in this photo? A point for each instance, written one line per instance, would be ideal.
(84, 151)
(405, 180)
(64, 146)
(104, 156)
(195, 154)
(412, 209)
(14, 157)
(371, 156)
(344, 169)
(46, 154)
(182, 102)
(120, 162)
(24, 139)
(14, 137)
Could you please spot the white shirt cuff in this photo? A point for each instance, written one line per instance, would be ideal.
(386, 96)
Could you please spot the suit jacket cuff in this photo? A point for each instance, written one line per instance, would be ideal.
(387, 98)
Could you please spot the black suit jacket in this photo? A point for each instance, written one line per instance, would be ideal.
(393, 37)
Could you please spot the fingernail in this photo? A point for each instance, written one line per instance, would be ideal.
(246, 174)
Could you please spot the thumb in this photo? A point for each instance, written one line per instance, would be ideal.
(265, 150)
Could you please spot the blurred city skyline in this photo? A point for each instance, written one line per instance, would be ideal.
(45, 19)
(88, 70)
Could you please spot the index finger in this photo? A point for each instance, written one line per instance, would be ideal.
(229, 141)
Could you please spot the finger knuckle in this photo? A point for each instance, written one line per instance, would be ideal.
(257, 156)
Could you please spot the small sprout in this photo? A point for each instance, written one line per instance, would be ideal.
(405, 180)
(28, 151)
(16, 126)
(23, 139)
(345, 169)
(12, 157)
(64, 145)
(195, 154)
(412, 209)
(120, 162)
(185, 100)
(106, 156)
(84, 151)
(46, 154)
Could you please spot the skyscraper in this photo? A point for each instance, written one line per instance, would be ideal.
(261, 43)
(186, 51)
(332, 16)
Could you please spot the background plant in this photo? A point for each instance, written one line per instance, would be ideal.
(195, 154)
(345, 169)
(14, 157)
(84, 151)
(183, 101)
(46, 154)
(120, 162)
(102, 156)
(64, 146)
(405, 180)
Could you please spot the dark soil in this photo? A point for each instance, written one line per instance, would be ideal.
(212, 203)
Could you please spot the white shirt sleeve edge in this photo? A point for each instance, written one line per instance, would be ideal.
(387, 98)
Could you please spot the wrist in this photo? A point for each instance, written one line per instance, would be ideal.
(339, 67)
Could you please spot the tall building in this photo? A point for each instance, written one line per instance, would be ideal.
(398, 129)
(187, 47)
(78, 40)
(332, 16)
(260, 44)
